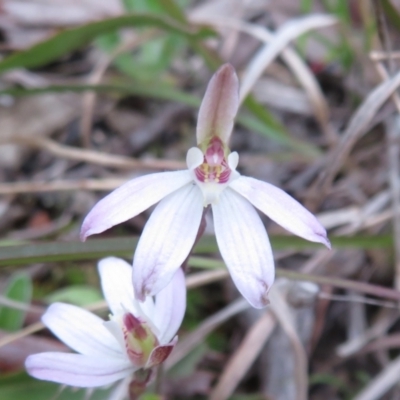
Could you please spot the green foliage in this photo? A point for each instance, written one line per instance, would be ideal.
(95, 249)
(23, 387)
(19, 288)
(391, 13)
(72, 39)
(80, 295)
(337, 52)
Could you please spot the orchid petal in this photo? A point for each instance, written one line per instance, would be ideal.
(170, 307)
(194, 158)
(219, 106)
(131, 199)
(244, 246)
(81, 330)
(77, 369)
(233, 160)
(160, 353)
(166, 240)
(115, 277)
(281, 208)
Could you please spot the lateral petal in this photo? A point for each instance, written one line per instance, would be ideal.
(81, 330)
(131, 199)
(219, 106)
(170, 307)
(116, 282)
(166, 240)
(244, 246)
(77, 369)
(281, 208)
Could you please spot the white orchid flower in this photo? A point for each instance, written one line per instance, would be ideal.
(138, 335)
(211, 179)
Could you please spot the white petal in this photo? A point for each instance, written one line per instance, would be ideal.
(244, 246)
(170, 307)
(166, 240)
(194, 158)
(81, 330)
(76, 369)
(219, 106)
(116, 282)
(281, 208)
(131, 199)
(233, 160)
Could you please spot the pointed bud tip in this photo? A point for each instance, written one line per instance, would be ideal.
(219, 106)
(226, 68)
(326, 242)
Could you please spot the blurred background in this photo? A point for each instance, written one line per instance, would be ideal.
(96, 92)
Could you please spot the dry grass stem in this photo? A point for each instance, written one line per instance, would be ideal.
(384, 56)
(288, 32)
(94, 157)
(89, 98)
(283, 314)
(356, 128)
(193, 339)
(17, 305)
(55, 186)
(393, 148)
(380, 327)
(384, 381)
(244, 356)
(206, 277)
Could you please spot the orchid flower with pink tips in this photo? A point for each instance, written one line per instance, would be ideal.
(137, 336)
(211, 179)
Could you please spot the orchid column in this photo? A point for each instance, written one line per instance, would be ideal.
(210, 180)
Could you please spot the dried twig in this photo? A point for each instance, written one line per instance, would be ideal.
(283, 315)
(356, 128)
(282, 37)
(244, 356)
(94, 157)
(193, 339)
(378, 386)
(61, 185)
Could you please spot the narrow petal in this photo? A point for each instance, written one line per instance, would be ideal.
(131, 199)
(160, 354)
(81, 330)
(244, 246)
(281, 208)
(170, 307)
(77, 369)
(219, 106)
(116, 282)
(166, 240)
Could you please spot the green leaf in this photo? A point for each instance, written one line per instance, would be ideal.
(391, 13)
(94, 249)
(80, 295)
(19, 288)
(72, 39)
(23, 387)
